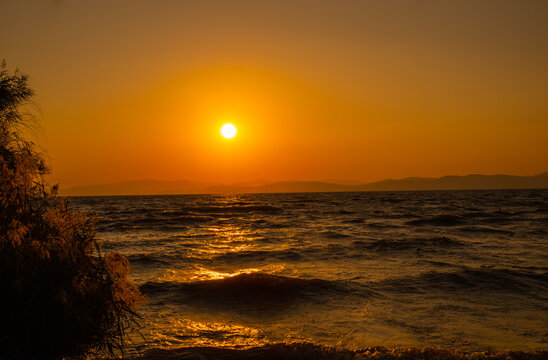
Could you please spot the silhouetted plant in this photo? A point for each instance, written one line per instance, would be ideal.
(59, 297)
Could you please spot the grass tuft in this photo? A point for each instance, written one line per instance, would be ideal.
(60, 298)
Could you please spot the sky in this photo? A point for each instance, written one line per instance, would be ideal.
(361, 90)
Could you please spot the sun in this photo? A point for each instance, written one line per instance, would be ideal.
(228, 131)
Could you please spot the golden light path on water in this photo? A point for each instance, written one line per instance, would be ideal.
(173, 331)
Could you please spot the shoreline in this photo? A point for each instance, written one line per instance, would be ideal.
(300, 351)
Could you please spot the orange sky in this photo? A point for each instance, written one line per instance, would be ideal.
(360, 90)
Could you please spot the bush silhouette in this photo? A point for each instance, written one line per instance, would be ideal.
(59, 296)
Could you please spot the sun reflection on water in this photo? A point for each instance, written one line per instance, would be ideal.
(185, 331)
(202, 274)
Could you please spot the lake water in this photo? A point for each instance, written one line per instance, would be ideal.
(458, 269)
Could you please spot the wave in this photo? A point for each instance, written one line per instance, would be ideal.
(124, 227)
(541, 209)
(261, 255)
(143, 219)
(147, 259)
(330, 251)
(302, 351)
(438, 220)
(165, 256)
(265, 209)
(265, 224)
(379, 225)
(442, 242)
(330, 234)
(484, 230)
(435, 263)
(480, 280)
(496, 217)
(302, 200)
(187, 219)
(339, 212)
(354, 221)
(148, 223)
(245, 286)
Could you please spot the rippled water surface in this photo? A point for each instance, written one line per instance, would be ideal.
(464, 269)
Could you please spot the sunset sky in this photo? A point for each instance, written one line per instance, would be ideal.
(361, 90)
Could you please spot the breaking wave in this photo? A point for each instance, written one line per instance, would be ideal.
(258, 295)
(244, 286)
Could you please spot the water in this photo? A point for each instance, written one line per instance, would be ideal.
(459, 269)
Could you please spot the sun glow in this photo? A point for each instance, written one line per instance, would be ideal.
(228, 131)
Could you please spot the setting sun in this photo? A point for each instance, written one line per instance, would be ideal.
(228, 131)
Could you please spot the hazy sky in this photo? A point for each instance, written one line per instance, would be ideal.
(318, 89)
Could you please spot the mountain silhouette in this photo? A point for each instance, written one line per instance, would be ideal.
(158, 187)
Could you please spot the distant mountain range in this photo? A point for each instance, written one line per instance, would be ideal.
(468, 182)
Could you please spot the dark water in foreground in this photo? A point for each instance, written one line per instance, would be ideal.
(459, 269)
